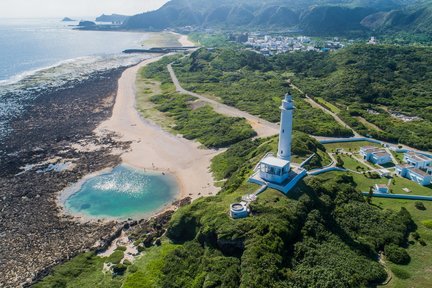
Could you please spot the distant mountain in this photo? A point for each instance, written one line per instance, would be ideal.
(113, 18)
(414, 19)
(315, 17)
(67, 19)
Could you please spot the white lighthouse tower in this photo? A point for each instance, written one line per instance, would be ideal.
(286, 123)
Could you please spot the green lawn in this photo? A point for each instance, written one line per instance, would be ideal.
(351, 164)
(399, 156)
(328, 105)
(349, 146)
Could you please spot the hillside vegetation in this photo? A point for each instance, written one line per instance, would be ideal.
(314, 17)
(323, 235)
(247, 80)
(377, 83)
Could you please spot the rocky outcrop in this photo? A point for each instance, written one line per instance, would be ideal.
(33, 232)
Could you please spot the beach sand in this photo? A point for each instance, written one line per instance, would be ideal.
(153, 148)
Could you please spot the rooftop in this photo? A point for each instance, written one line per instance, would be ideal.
(274, 161)
(418, 157)
(368, 147)
(404, 165)
(380, 154)
(419, 172)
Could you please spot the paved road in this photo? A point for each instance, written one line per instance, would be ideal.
(262, 127)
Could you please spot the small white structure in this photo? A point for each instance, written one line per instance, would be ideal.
(415, 174)
(384, 172)
(239, 210)
(380, 188)
(375, 155)
(418, 160)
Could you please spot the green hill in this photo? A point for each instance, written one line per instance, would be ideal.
(315, 17)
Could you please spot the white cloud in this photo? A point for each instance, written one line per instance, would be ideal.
(74, 8)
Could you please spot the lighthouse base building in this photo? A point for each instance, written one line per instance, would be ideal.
(277, 172)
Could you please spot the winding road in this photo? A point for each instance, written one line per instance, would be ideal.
(262, 127)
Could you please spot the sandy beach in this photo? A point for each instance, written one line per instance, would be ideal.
(153, 148)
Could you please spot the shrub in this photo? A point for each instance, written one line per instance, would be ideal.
(132, 269)
(400, 273)
(396, 254)
(422, 242)
(419, 205)
(427, 223)
(121, 248)
(415, 235)
(115, 257)
(126, 262)
(119, 269)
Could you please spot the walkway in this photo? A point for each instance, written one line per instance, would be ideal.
(399, 196)
(262, 127)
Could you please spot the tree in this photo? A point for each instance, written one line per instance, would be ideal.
(339, 162)
(370, 194)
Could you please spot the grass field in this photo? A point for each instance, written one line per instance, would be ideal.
(328, 105)
(351, 163)
(349, 146)
(147, 88)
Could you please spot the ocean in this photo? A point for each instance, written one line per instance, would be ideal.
(37, 55)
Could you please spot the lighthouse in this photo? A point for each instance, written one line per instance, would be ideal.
(285, 133)
(286, 123)
(277, 169)
(277, 172)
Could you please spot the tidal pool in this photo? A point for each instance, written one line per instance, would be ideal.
(122, 193)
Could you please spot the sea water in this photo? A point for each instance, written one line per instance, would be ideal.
(122, 193)
(39, 55)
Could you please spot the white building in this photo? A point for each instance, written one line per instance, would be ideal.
(418, 160)
(239, 210)
(380, 188)
(415, 174)
(375, 155)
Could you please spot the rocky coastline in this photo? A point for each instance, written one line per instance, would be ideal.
(52, 146)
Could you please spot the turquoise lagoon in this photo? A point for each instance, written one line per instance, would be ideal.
(122, 193)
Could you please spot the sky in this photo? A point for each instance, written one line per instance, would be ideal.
(74, 8)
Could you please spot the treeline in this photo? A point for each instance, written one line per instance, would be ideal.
(247, 80)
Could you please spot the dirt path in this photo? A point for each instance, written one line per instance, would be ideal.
(314, 104)
(262, 127)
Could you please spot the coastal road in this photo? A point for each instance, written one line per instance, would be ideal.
(262, 127)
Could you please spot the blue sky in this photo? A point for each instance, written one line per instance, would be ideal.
(74, 8)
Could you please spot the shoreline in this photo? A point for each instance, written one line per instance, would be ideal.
(64, 195)
(152, 149)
